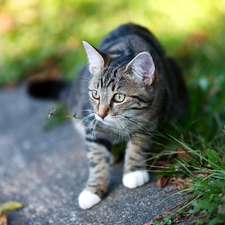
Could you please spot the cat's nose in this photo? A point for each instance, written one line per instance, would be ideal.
(103, 111)
(102, 115)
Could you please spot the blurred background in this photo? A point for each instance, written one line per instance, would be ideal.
(43, 39)
(40, 36)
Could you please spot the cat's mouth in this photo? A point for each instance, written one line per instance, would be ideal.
(104, 119)
(109, 120)
(113, 121)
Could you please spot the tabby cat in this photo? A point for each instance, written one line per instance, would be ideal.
(129, 84)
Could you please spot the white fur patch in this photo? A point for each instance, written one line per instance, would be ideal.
(88, 199)
(135, 179)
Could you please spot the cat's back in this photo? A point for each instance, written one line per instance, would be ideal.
(130, 32)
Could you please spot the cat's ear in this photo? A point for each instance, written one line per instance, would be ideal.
(96, 58)
(143, 66)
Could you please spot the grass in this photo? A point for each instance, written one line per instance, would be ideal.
(201, 131)
(207, 186)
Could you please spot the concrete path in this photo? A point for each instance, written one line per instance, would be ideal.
(46, 170)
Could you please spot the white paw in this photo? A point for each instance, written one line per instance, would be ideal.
(88, 199)
(135, 179)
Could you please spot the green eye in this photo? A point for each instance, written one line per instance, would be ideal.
(119, 97)
(95, 94)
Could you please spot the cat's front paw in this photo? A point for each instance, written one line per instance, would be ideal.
(135, 179)
(88, 199)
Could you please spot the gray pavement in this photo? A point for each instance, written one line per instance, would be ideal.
(46, 171)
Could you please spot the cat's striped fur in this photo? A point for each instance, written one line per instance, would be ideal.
(129, 62)
(149, 96)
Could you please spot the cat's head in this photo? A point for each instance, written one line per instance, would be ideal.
(119, 88)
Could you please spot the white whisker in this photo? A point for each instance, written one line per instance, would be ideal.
(119, 130)
(84, 110)
(141, 126)
(146, 121)
(86, 119)
(125, 128)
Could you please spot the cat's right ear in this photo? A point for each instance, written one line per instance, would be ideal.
(97, 59)
(143, 67)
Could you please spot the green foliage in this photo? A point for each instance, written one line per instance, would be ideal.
(207, 185)
(210, 189)
(35, 31)
(214, 157)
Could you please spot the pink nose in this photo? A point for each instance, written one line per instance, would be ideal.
(102, 115)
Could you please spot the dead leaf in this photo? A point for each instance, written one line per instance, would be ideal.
(209, 166)
(8, 206)
(180, 182)
(162, 181)
(3, 217)
(11, 205)
(182, 154)
(161, 162)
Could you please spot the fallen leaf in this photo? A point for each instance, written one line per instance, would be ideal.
(162, 181)
(11, 205)
(161, 162)
(179, 182)
(3, 217)
(182, 154)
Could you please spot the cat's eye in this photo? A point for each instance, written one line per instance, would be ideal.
(119, 97)
(95, 94)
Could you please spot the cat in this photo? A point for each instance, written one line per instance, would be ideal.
(129, 85)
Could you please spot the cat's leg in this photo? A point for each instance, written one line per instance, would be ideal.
(99, 159)
(135, 173)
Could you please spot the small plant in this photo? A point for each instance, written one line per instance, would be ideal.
(206, 184)
(167, 220)
(8, 206)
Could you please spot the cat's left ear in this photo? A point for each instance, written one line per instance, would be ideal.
(97, 59)
(143, 66)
